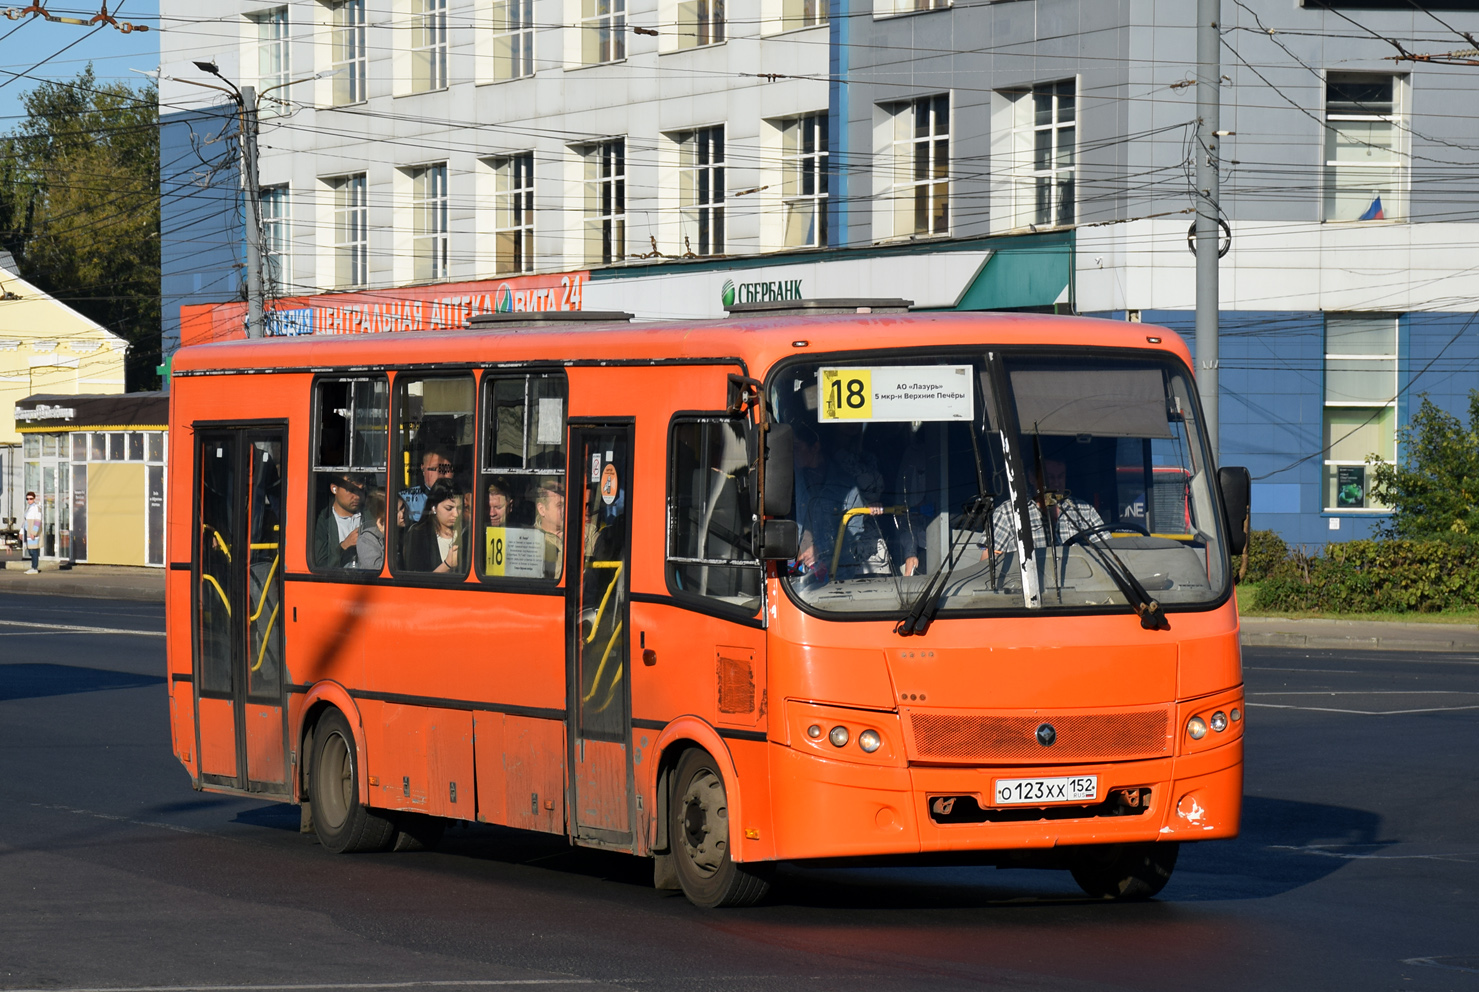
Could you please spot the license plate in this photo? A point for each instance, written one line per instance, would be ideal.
(1075, 789)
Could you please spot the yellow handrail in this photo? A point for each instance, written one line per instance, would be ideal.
(605, 598)
(262, 651)
(605, 656)
(266, 588)
(858, 511)
(207, 577)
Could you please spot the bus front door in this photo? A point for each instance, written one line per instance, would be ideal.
(600, 708)
(240, 717)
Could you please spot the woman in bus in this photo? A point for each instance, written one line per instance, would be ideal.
(437, 542)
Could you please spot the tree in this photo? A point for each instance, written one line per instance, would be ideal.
(1434, 493)
(79, 206)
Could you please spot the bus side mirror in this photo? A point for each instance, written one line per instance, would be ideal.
(1236, 485)
(780, 471)
(781, 540)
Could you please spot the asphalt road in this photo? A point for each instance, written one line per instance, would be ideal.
(1358, 867)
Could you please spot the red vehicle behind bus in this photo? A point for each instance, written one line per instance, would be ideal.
(719, 594)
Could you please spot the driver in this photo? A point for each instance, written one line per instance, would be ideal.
(1069, 516)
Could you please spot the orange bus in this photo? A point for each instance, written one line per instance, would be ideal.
(863, 585)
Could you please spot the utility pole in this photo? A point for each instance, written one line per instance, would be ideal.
(256, 310)
(1209, 82)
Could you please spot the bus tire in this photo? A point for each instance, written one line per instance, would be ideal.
(343, 824)
(1124, 872)
(699, 835)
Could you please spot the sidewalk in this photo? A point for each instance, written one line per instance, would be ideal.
(1357, 635)
(91, 581)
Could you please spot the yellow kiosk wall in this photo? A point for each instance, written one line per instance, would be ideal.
(115, 514)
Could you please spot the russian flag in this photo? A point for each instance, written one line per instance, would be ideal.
(1373, 212)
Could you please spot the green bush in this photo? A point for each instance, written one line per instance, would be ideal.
(1434, 493)
(1376, 577)
(1267, 553)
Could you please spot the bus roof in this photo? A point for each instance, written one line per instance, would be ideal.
(758, 342)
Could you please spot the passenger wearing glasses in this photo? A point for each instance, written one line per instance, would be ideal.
(438, 543)
(33, 524)
(436, 466)
(336, 532)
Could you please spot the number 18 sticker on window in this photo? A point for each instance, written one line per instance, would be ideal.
(897, 392)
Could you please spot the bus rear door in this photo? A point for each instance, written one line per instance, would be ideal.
(237, 602)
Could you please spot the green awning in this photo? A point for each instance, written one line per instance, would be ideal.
(1016, 278)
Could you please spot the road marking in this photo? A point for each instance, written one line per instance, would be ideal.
(73, 628)
(323, 987)
(1471, 965)
(1366, 692)
(1334, 709)
(1324, 852)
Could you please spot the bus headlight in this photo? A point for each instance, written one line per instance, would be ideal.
(1219, 721)
(814, 731)
(869, 741)
(1196, 728)
(839, 736)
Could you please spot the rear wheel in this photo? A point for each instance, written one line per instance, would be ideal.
(1124, 871)
(699, 833)
(341, 822)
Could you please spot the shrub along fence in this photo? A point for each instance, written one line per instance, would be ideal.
(1366, 576)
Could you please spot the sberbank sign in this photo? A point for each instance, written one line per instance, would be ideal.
(761, 292)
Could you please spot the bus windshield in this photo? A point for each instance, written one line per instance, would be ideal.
(1034, 481)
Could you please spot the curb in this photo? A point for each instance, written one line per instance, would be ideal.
(1347, 635)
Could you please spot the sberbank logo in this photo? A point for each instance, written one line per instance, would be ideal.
(761, 292)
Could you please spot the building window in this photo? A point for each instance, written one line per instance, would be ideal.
(514, 212)
(921, 166)
(893, 8)
(605, 202)
(275, 234)
(351, 232)
(429, 222)
(349, 52)
(802, 14)
(804, 180)
(603, 25)
(513, 39)
(428, 45)
(701, 189)
(273, 63)
(700, 22)
(1365, 162)
(1044, 139)
(1360, 404)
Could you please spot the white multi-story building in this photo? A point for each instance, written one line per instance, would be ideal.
(425, 159)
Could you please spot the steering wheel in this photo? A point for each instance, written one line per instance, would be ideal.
(1084, 535)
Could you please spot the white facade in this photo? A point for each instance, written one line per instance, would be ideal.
(750, 82)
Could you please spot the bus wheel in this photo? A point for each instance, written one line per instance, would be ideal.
(342, 823)
(1124, 871)
(699, 831)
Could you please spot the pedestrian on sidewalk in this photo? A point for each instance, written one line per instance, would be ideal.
(33, 533)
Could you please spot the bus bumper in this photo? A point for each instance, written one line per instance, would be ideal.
(828, 808)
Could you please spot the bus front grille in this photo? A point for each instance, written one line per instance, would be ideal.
(987, 738)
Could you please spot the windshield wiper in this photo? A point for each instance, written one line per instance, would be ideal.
(1152, 617)
(922, 613)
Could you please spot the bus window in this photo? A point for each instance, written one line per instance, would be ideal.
(521, 492)
(710, 515)
(350, 420)
(434, 456)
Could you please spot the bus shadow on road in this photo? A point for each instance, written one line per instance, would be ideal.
(34, 680)
(1284, 844)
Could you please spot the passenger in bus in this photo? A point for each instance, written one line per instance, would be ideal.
(371, 543)
(336, 531)
(1069, 515)
(549, 519)
(498, 502)
(438, 542)
(833, 475)
(436, 466)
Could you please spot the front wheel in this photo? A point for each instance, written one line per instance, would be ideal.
(1124, 871)
(698, 831)
(342, 823)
